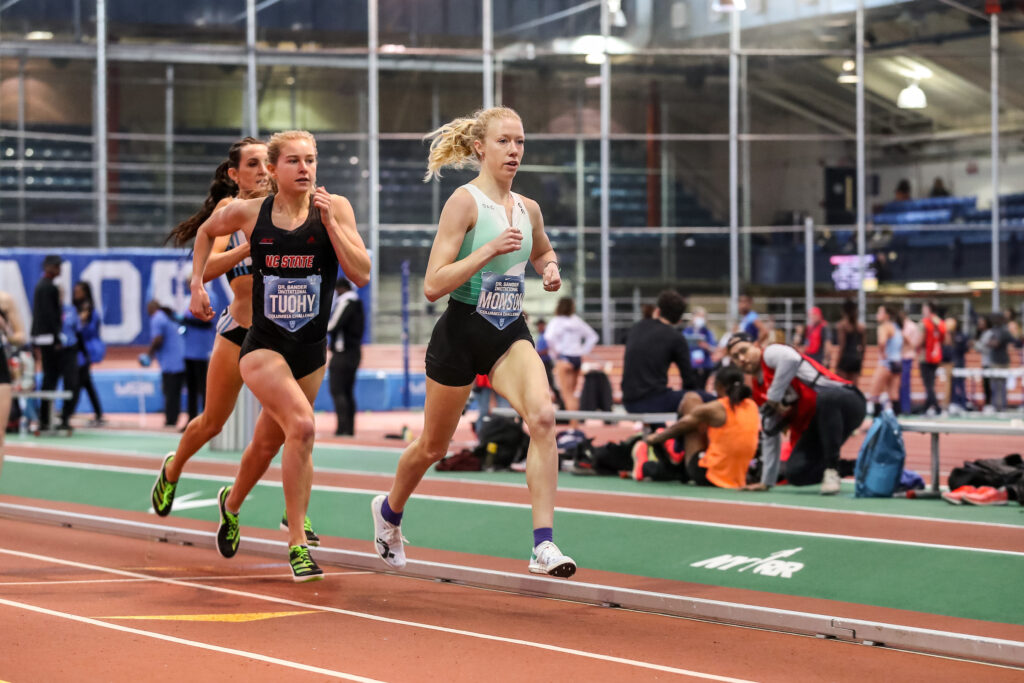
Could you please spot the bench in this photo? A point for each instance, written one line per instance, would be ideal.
(937, 428)
(647, 419)
(49, 396)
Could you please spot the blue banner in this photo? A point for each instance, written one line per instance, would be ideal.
(123, 281)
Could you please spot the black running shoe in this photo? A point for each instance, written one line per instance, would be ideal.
(312, 539)
(227, 532)
(162, 495)
(304, 568)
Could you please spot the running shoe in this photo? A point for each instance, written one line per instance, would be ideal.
(641, 454)
(387, 537)
(548, 559)
(956, 496)
(311, 538)
(987, 495)
(227, 532)
(162, 495)
(830, 483)
(304, 567)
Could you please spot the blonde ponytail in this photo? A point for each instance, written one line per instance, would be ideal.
(452, 143)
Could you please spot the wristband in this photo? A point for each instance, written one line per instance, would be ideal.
(549, 263)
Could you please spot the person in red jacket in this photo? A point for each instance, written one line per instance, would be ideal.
(795, 392)
(934, 335)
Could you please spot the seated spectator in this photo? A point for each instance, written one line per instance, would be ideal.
(701, 341)
(902, 192)
(719, 436)
(820, 410)
(938, 189)
(652, 346)
(750, 322)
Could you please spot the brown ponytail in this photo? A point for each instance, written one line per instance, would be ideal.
(222, 186)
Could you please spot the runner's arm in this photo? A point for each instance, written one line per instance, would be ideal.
(444, 274)
(543, 256)
(345, 238)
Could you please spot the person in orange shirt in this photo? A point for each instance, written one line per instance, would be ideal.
(934, 336)
(719, 436)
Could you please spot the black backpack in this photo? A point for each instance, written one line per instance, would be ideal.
(502, 441)
(997, 472)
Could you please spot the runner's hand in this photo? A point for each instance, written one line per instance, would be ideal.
(552, 277)
(200, 304)
(322, 201)
(508, 241)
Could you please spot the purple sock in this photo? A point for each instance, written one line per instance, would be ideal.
(545, 533)
(390, 515)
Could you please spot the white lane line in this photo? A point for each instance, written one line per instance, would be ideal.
(190, 643)
(568, 489)
(374, 617)
(182, 578)
(525, 506)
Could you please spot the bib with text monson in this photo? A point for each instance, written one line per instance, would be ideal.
(501, 298)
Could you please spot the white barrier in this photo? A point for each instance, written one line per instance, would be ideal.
(238, 430)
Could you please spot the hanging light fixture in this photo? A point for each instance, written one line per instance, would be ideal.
(618, 16)
(728, 5)
(849, 72)
(912, 97)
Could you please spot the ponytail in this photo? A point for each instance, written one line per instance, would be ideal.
(452, 144)
(734, 384)
(222, 186)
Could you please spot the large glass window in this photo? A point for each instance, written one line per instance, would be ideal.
(182, 21)
(48, 20)
(311, 25)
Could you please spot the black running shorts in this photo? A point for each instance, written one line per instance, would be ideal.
(464, 345)
(302, 359)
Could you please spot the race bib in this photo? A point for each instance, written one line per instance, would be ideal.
(291, 302)
(501, 298)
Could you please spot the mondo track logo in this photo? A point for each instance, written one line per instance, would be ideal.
(773, 565)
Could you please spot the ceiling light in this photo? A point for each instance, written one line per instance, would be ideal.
(924, 286)
(38, 35)
(728, 5)
(912, 97)
(594, 58)
(618, 16)
(848, 74)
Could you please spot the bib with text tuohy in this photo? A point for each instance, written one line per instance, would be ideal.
(291, 302)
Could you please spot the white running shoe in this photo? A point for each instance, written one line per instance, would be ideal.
(548, 559)
(830, 483)
(387, 537)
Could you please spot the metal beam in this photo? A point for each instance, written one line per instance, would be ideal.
(373, 145)
(606, 159)
(100, 123)
(555, 16)
(861, 160)
(252, 123)
(487, 10)
(994, 57)
(734, 123)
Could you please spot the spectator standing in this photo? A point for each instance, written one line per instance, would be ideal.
(849, 352)
(68, 360)
(345, 336)
(90, 348)
(652, 346)
(911, 344)
(999, 342)
(701, 341)
(983, 345)
(12, 335)
(168, 348)
(199, 338)
(815, 337)
(885, 382)
(750, 321)
(545, 356)
(934, 335)
(569, 339)
(46, 332)
(959, 345)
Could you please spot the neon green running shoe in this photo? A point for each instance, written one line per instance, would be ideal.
(227, 532)
(162, 495)
(311, 538)
(304, 567)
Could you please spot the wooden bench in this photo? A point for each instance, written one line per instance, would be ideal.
(937, 428)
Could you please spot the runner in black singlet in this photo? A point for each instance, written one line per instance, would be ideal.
(298, 239)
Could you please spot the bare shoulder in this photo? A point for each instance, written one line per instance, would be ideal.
(712, 412)
(341, 201)
(532, 208)
(5, 301)
(222, 203)
(461, 207)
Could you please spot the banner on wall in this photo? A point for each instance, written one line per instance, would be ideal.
(123, 281)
